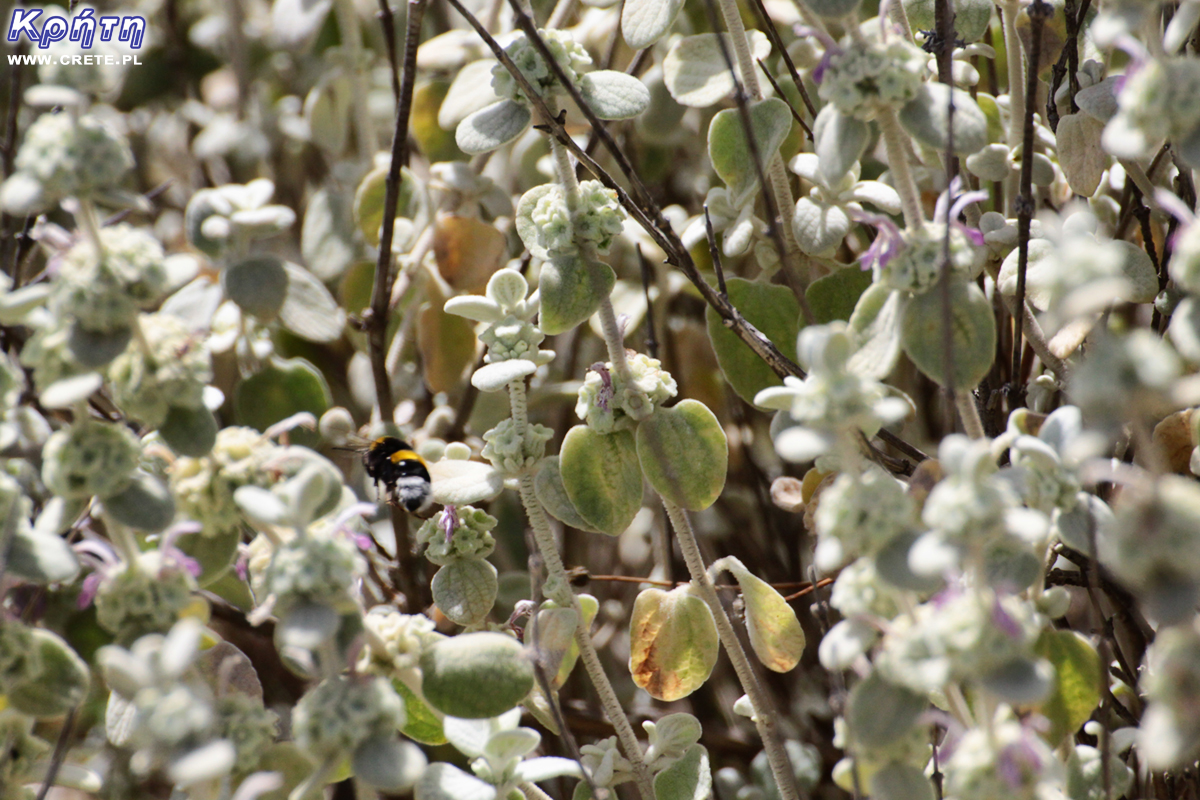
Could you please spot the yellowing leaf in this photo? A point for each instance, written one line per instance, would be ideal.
(468, 251)
(775, 633)
(1076, 685)
(673, 643)
(447, 345)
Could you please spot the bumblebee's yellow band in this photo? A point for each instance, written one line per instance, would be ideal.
(405, 455)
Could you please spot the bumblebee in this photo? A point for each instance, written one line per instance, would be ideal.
(404, 474)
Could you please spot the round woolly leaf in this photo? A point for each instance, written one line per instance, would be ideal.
(40, 557)
(146, 504)
(421, 723)
(689, 778)
(94, 349)
(553, 495)
(900, 781)
(684, 454)
(925, 118)
(492, 127)
(468, 251)
(553, 634)
(1077, 671)
(602, 477)
(258, 285)
(694, 71)
(460, 482)
(1020, 681)
(819, 227)
(1100, 100)
(1080, 155)
(879, 713)
(309, 310)
(465, 590)
(972, 335)
(69, 391)
(839, 142)
(327, 241)
(729, 150)
(775, 632)
(388, 763)
(971, 17)
(61, 685)
(476, 675)
(214, 554)
(775, 312)
(834, 296)
(470, 91)
(614, 95)
(443, 781)
(279, 390)
(571, 290)
(643, 22)
(673, 643)
(189, 431)
(891, 563)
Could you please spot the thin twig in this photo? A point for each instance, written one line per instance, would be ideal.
(779, 90)
(776, 42)
(387, 21)
(61, 748)
(1039, 11)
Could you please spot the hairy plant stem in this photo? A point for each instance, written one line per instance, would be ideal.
(559, 589)
(964, 400)
(1016, 93)
(902, 179)
(764, 718)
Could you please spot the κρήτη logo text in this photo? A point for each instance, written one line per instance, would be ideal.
(82, 27)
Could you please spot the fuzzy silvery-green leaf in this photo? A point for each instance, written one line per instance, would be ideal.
(294, 22)
(839, 141)
(552, 494)
(465, 590)
(69, 391)
(388, 763)
(879, 712)
(590, 607)
(844, 643)
(614, 95)
(992, 163)
(925, 118)
(673, 642)
(454, 670)
(279, 390)
(1076, 692)
(95, 349)
(327, 111)
(971, 17)
(900, 781)
(834, 296)
(602, 477)
(460, 482)
(689, 778)
(1020, 681)
(496, 376)
(492, 127)
(214, 554)
(470, 91)
(146, 504)
(1184, 329)
(474, 307)
(695, 72)
(40, 557)
(819, 227)
(643, 22)
(421, 724)
(257, 285)
(189, 431)
(545, 768)
(775, 632)
(775, 312)
(876, 326)
(60, 686)
(571, 290)
(972, 335)
(306, 627)
(16, 305)
(1099, 100)
(729, 150)
(309, 310)
(552, 633)
(1080, 155)
(447, 782)
(327, 235)
(684, 454)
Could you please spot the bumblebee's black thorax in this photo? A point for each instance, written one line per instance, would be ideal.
(388, 459)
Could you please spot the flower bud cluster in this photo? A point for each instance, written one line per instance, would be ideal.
(917, 267)
(858, 514)
(596, 222)
(90, 458)
(65, 157)
(866, 76)
(457, 533)
(168, 368)
(512, 338)
(146, 597)
(570, 55)
(395, 641)
(313, 570)
(342, 712)
(513, 453)
(1158, 101)
(103, 292)
(607, 404)
(203, 487)
(248, 726)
